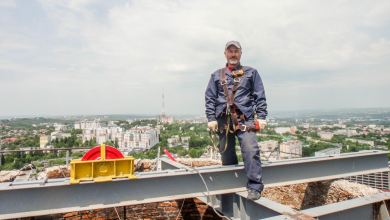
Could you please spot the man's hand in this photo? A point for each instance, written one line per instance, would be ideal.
(213, 125)
(262, 124)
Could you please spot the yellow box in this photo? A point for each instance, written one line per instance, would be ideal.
(101, 170)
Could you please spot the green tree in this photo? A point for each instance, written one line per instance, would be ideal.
(193, 152)
(77, 155)
(62, 153)
(116, 143)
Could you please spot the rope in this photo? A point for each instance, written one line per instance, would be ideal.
(117, 213)
(204, 182)
(213, 135)
(180, 209)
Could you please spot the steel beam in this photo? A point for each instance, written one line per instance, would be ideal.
(360, 208)
(237, 206)
(370, 207)
(58, 196)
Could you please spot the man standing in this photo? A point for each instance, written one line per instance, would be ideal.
(233, 96)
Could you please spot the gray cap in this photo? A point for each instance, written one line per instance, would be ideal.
(235, 43)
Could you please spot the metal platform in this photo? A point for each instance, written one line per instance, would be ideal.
(43, 197)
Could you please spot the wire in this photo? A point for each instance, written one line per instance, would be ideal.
(117, 213)
(180, 209)
(204, 182)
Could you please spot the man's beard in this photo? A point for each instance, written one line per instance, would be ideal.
(233, 62)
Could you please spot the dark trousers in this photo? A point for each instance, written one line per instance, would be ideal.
(249, 150)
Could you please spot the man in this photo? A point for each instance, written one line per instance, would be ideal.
(232, 99)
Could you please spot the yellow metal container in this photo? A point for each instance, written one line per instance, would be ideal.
(101, 170)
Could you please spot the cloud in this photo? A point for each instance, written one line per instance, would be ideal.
(122, 54)
(7, 4)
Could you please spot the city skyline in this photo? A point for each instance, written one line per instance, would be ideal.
(96, 57)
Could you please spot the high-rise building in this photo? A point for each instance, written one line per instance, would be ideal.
(140, 137)
(291, 149)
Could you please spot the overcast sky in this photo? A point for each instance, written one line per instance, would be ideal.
(115, 57)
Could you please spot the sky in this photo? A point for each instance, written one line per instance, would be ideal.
(115, 57)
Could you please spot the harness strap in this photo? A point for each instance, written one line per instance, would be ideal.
(231, 113)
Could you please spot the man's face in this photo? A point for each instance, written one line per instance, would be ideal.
(233, 55)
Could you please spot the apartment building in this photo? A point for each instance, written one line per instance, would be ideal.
(97, 123)
(371, 143)
(281, 130)
(290, 149)
(43, 140)
(268, 145)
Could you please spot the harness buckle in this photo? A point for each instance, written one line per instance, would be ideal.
(244, 127)
(223, 83)
(237, 79)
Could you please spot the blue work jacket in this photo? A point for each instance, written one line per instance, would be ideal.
(249, 96)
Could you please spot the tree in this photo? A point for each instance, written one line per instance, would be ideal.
(109, 143)
(192, 152)
(116, 145)
(62, 153)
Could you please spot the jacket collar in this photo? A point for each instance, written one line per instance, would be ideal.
(238, 67)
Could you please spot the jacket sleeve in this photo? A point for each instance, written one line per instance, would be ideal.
(259, 96)
(210, 97)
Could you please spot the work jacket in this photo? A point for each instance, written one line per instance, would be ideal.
(250, 96)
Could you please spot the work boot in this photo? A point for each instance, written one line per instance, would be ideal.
(253, 194)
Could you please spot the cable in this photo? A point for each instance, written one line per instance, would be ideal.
(117, 213)
(204, 182)
(180, 209)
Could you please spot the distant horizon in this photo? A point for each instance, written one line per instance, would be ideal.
(181, 115)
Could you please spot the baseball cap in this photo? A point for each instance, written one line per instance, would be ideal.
(235, 43)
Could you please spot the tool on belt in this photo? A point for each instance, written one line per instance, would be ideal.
(231, 109)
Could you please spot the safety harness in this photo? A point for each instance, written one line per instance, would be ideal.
(231, 109)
